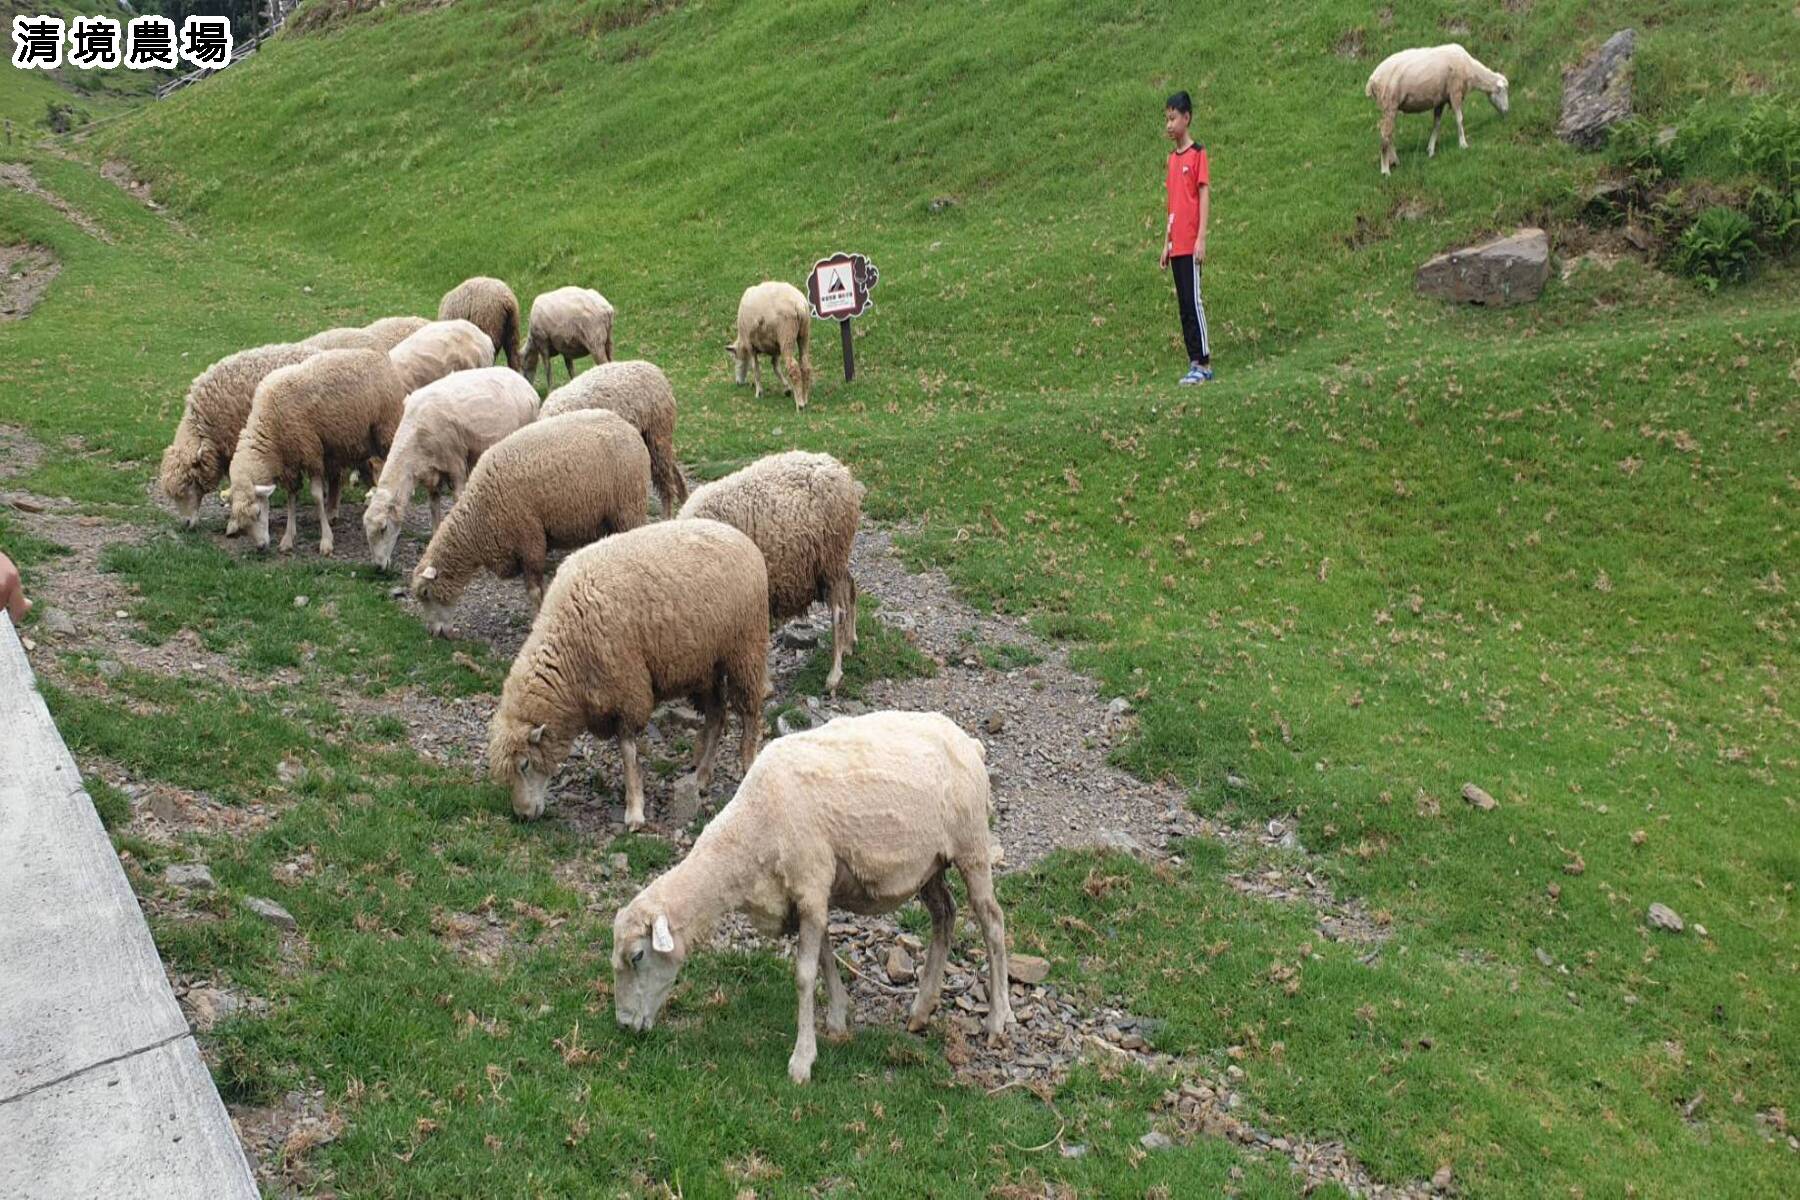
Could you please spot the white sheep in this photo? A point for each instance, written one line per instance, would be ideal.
(490, 304)
(446, 428)
(575, 322)
(218, 404)
(773, 319)
(802, 511)
(674, 609)
(1427, 79)
(315, 420)
(639, 392)
(383, 335)
(558, 483)
(861, 814)
(437, 348)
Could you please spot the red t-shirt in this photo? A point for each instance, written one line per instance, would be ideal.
(1187, 175)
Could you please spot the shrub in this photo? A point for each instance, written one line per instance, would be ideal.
(1719, 247)
(1640, 149)
(1768, 145)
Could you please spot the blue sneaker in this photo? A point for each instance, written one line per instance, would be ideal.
(1197, 374)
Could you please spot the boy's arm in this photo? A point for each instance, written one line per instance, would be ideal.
(1200, 241)
(1168, 232)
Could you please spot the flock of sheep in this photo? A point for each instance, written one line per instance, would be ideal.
(862, 814)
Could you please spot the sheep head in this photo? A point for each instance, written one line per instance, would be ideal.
(740, 363)
(647, 956)
(426, 590)
(183, 468)
(249, 501)
(524, 757)
(1498, 94)
(382, 519)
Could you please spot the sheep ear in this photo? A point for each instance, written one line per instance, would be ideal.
(661, 939)
(536, 735)
(428, 573)
(265, 490)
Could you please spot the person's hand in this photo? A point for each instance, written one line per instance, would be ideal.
(1200, 251)
(1164, 263)
(12, 592)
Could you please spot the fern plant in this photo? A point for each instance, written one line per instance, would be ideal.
(1719, 247)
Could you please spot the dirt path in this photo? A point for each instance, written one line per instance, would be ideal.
(19, 177)
(1049, 732)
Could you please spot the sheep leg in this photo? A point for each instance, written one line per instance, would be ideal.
(806, 979)
(319, 496)
(756, 373)
(842, 599)
(942, 907)
(837, 996)
(293, 524)
(713, 705)
(334, 491)
(748, 684)
(1437, 118)
(1388, 157)
(534, 587)
(786, 380)
(437, 509)
(634, 781)
(569, 364)
(978, 877)
(1462, 139)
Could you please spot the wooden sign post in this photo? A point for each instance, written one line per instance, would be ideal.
(838, 290)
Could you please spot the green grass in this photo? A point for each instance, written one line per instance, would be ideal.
(882, 652)
(1395, 548)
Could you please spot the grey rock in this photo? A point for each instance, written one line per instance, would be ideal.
(302, 601)
(995, 723)
(190, 875)
(1664, 917)
(1479, 798)
(56, 621)
(109, 668)
(1597, 93)
(271, 912)
(1072, 1150)
(1508, 270)
(798, 637)
(1118, 708)
(1156, 1140)
(900, 968)
(620, 864)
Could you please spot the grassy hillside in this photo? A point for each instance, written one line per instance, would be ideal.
(1395, 548)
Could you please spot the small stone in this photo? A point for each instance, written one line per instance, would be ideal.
(1026, 968)
(120, 613)
(189, 875)
(620, 863)
(109, 668)
(1543, 957)
(287, 770)
(1440, 1179)
(302, 601)
(1555, 890)
(1700, 930)
(900, 967)
(995, 722)
(271, 912)
(1156, 1140)
(1116, 839)
(306, 289)
(1236, 783)
(56, 621)
(1479, 798)
(1117, 708)
(1072, 1150)
(1663, 917)
(798, 637)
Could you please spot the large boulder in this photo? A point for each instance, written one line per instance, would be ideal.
(1597, 94)
(1509, 270)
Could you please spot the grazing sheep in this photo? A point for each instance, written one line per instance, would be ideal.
(575, 322)
(802, 511)
(438, 348)
(446, 428)
(862, 814)
(491, 305)
(558, 483)
(218, 404)
(674, 609)
(639, 392)
(773, 319)
(1424, 80)
(317, 419)
(388, 332)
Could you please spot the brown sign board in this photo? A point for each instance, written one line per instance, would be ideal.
(838, 287)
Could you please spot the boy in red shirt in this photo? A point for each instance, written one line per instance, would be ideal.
(1184, 249)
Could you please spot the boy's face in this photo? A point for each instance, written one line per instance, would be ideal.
(1175, 124)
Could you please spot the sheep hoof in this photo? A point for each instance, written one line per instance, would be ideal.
(325, 548)
(798, 1071)
(837, 1037)
(918, 1023)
